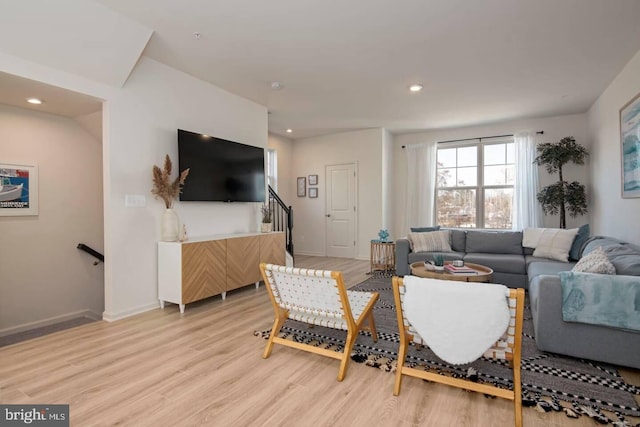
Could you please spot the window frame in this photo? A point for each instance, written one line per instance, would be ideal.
(480, 188)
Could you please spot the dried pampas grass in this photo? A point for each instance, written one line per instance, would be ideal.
(162, 185)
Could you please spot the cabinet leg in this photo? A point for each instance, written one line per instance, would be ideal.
(162, 304)
(257, 285)
(181, 308)
(224, 296)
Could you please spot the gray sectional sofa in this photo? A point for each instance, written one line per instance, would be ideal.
(516, 267)
(595, 342)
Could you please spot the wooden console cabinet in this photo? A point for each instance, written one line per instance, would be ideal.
(203, 267)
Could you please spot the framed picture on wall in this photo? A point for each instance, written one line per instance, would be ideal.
(313, 192)
(630, 147)
(302, 186)
(18, 190)
(313, 180)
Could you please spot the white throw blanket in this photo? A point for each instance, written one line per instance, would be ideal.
(459, 321)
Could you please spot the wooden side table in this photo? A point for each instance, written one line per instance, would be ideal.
(383, 257)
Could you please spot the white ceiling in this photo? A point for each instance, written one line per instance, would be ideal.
(347, 64)
(16, 90)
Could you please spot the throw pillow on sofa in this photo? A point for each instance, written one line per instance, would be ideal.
(595, 262)
(578, 243)
(555, 243)
(433, 241)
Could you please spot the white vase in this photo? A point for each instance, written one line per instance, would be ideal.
(266, 227)
(170, 226)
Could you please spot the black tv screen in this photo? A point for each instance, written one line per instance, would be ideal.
(220, 170)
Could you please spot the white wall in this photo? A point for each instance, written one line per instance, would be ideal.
(43, 277)
(139, 128)
(284, 150)
(612, 215)
(310, 156)
(555, 128)
(141, 123)
(387, 182)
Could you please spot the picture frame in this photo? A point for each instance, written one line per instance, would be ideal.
(313, 179)
(313, 193)
(630, 148)
(18, 190)
(302, 186)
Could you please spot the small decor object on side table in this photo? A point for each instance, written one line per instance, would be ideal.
(383, 235)
(168, 190)
(266, 218)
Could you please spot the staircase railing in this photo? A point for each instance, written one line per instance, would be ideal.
(91, 252)
(282, 218)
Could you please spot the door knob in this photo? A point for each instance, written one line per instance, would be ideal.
(328, 215)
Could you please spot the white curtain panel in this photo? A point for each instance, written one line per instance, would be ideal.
(527, 212)
(421, 184)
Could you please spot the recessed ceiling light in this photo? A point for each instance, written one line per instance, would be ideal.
(277, 86)
(197, 35)
(35, 101)
(289, 130)
(415, 88)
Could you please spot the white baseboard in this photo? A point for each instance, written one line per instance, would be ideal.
(50, 321)
(363, 258)
(112, 317)
(309, 253)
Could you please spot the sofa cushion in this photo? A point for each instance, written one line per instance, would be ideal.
(540, 266)
(555, 243)
(503, 263)
(433, 241)
(604, 242)
(578, 243)
(595, 261)
(494, 242)
(424, 229)
(428, 256)
(625, 257)
(458, 240)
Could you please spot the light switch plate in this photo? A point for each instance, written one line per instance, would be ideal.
(135, 201)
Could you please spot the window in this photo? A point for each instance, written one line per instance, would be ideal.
(272, 168)
(475, 184)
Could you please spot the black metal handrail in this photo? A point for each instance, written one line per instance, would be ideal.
(91, 252)
(282, 218)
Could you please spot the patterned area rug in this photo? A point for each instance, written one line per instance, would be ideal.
(550, 382)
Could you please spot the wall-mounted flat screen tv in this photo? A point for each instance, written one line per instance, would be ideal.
(220, 170)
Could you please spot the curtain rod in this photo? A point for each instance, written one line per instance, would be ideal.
(540, 132)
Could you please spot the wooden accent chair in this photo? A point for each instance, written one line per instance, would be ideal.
(317, 297)
(506, 348)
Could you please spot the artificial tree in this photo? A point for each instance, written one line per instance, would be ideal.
(562, 195)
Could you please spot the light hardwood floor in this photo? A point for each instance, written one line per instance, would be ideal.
(161, 368)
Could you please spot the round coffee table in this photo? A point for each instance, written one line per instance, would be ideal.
(483, 274)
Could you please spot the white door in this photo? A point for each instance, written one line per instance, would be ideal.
(341, 210)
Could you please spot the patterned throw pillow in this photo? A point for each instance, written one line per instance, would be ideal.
(595, 261)
(433, 241)
(555, 243)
